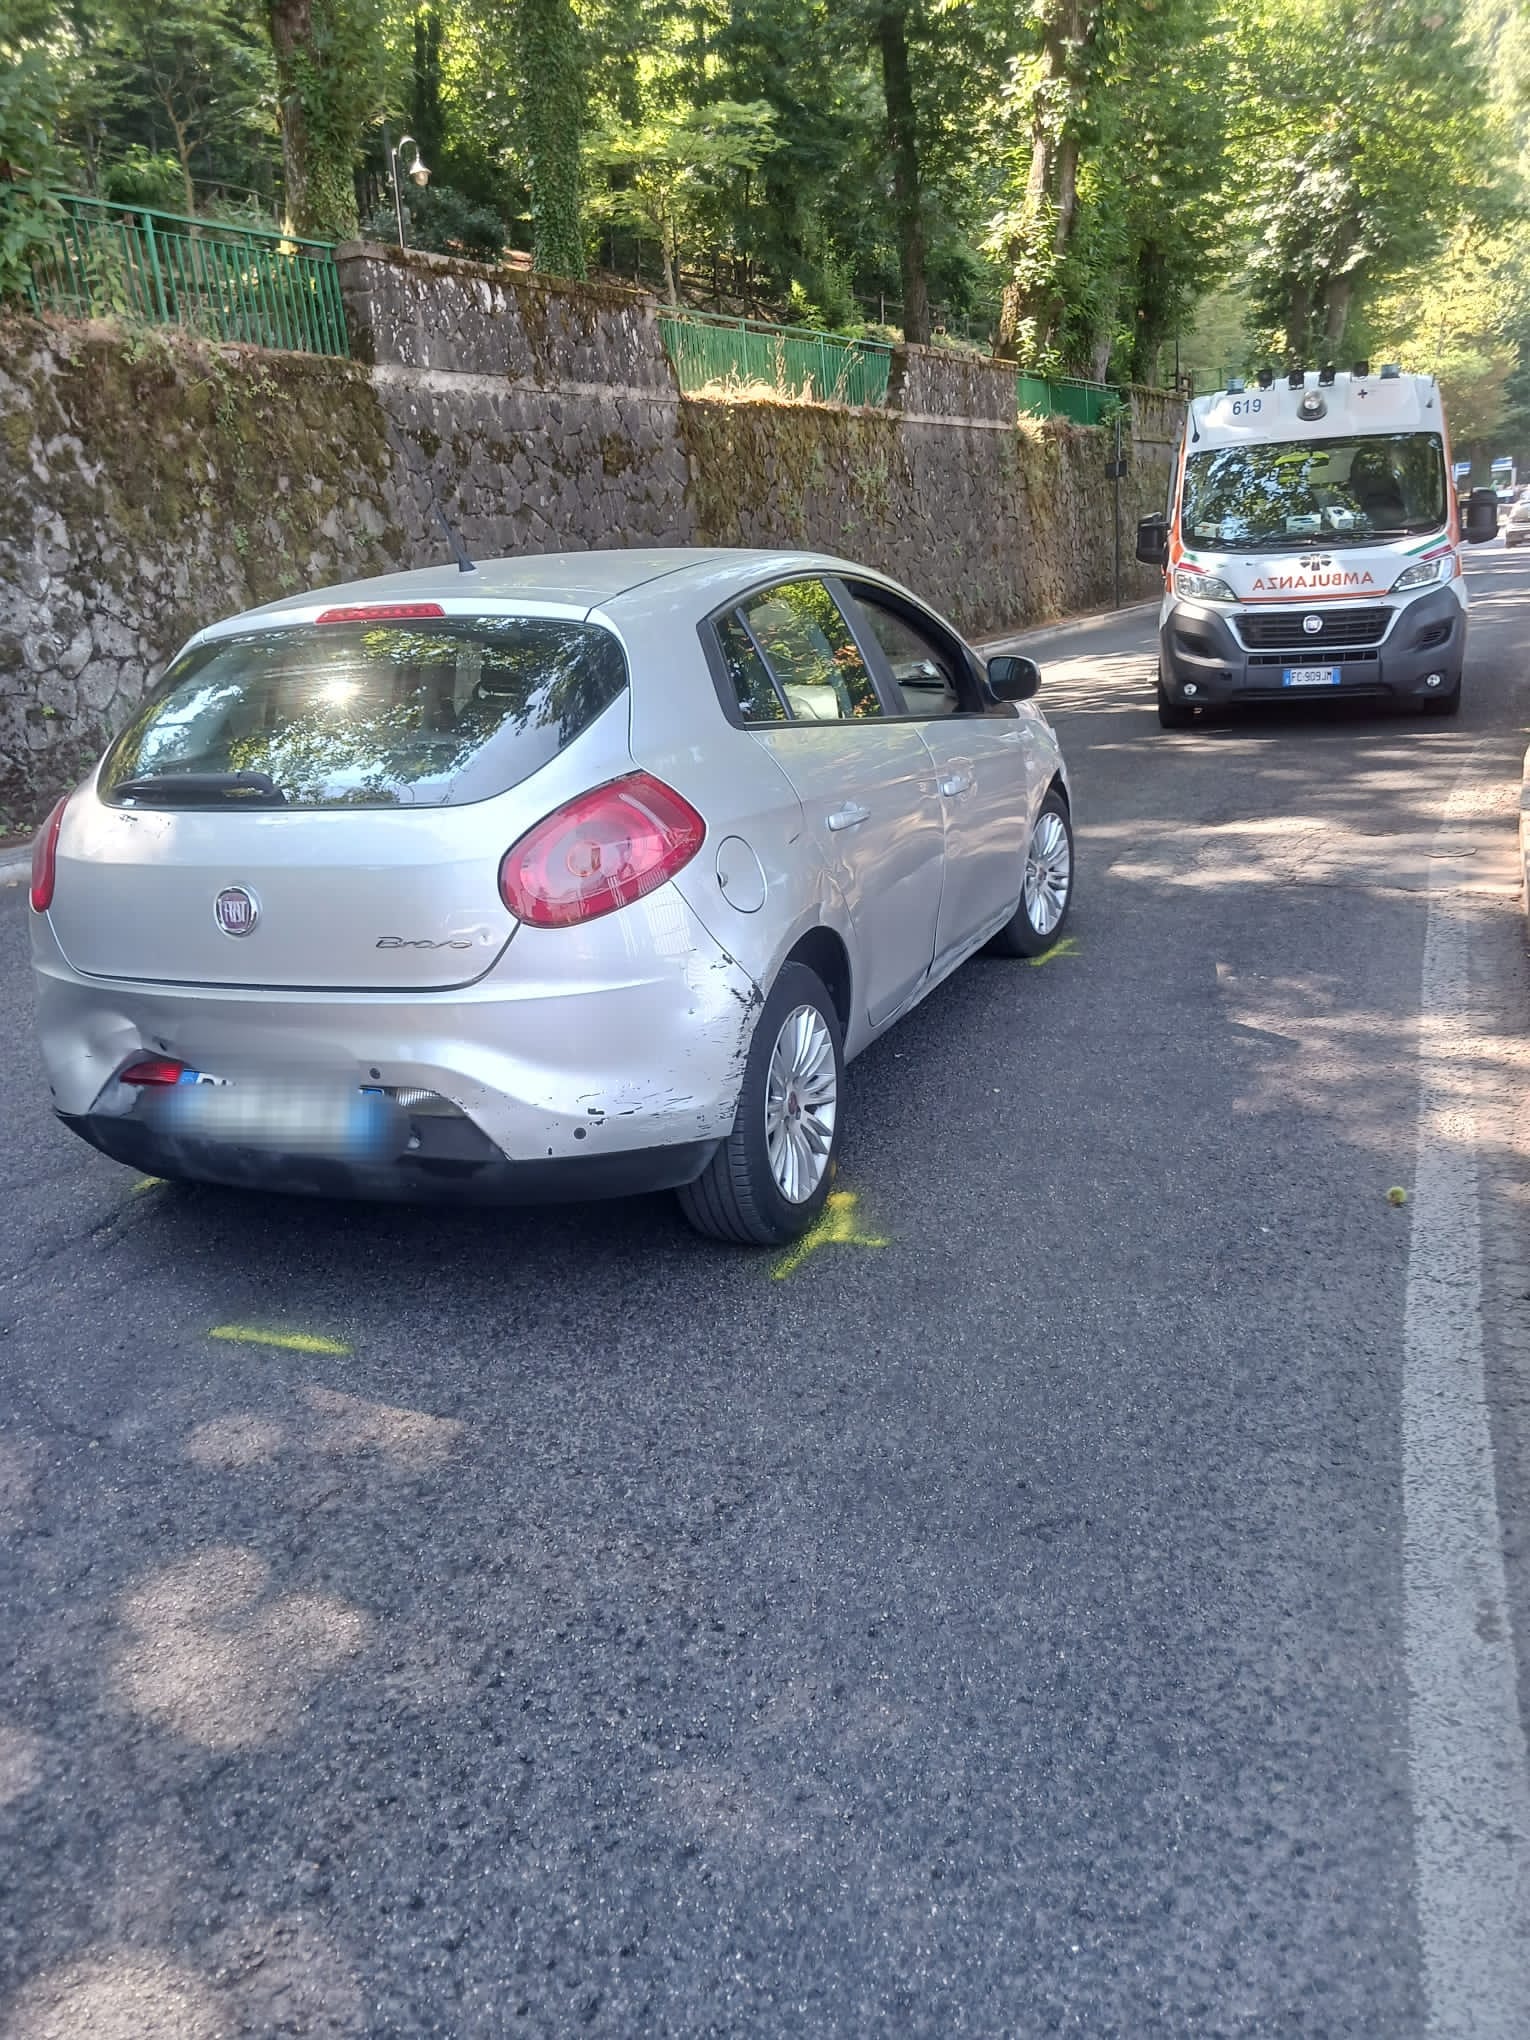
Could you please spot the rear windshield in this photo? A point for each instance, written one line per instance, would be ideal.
(365, 714)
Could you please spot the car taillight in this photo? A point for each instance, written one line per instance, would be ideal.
(599, 852)
(45, 859)
(153, 1069)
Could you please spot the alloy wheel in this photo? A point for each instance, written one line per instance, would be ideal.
(801, 1102)
(1048, 872)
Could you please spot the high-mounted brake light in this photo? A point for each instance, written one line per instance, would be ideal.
(45, 859)
(599, 852)
(381, 612)
(153, 1069)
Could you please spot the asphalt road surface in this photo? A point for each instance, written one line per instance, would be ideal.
(1079, 1597)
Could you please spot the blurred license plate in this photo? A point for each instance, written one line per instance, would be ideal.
(296, 1118)
(1310, 676)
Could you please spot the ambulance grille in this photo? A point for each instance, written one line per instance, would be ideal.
(1283, 627)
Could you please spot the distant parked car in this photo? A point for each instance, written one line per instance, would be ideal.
(1516, 530)
(575, 875)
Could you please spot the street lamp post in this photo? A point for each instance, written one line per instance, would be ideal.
(416, 173)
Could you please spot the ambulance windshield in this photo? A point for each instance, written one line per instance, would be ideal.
(1338, 491)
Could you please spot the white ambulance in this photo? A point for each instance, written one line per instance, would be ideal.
(1312, 546)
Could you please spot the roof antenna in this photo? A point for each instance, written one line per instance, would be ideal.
(459, 550)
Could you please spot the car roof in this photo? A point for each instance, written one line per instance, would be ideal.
(632, 581)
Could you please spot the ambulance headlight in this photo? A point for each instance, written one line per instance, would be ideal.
(1197, 587)
(1421, 575)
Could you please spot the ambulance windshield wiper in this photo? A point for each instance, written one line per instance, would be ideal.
(1310, 541)
(202, 789)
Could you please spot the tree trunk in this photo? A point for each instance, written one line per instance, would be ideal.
(1298, 319)
(1341, 291)
(182, 154)
(903, 146)
(1067, 193)
(325, 88)
(1066, 54)
(427, 117)
(552, 95)
(291, 25)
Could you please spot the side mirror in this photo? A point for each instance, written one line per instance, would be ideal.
(1153, 541)
(1014, 679)
(1481, 516)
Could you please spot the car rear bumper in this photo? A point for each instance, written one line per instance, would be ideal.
(620, 1043)
(1203, 662)
(475, 1172)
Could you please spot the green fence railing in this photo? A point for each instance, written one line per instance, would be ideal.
(223, 282)
(1065, 397)
(822, 367)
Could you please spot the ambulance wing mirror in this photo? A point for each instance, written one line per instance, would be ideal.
(1481, 516)
(1153, 541)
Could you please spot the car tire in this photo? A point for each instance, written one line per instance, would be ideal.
(1442, 704)
(1042, 914)
(1173, 715)
(742, 1196)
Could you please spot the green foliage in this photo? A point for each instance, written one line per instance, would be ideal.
(444, 221)
(672, 175)
(142, 178)
(1079, 178)
(1352, 188)
(31, 93)
(1113, 137)
(182, 80)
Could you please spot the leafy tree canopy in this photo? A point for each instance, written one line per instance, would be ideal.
(1088, 185)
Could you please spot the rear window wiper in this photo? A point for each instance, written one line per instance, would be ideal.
(202, 789)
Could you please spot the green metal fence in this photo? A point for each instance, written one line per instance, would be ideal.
(821, 367)
(224, 282)
(1065, 397)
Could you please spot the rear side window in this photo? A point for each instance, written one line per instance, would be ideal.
(747, 673)
(822, 675)
(365, 714)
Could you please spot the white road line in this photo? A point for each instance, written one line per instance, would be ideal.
(1467, 1752)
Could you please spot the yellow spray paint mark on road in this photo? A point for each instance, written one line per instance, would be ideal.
(1067, 947)
(290, 1342)
(147, 1183)
(835, 1228)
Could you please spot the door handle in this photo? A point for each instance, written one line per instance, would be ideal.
(957, 783)
(850, 816)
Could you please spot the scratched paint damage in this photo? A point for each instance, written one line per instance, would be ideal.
(690, 1069)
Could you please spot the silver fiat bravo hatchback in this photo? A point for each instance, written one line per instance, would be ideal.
(563, 877)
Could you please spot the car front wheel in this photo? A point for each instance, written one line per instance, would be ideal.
(1173, 715)
(769, 1180)
(1441, 704)
(1046, 893)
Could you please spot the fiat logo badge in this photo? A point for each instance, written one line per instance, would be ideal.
(1312, 625)
(236, 911)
